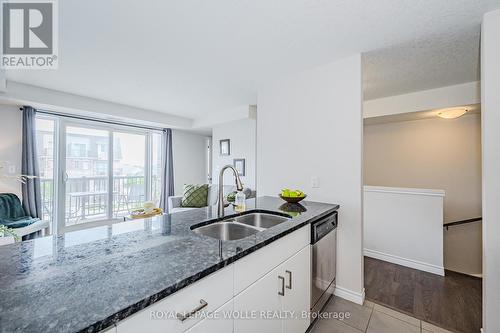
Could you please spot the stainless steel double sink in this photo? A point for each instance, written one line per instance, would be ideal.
(241, 226)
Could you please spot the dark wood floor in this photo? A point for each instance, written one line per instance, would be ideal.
(453, 302)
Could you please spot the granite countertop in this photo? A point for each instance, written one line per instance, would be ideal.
(85, 281)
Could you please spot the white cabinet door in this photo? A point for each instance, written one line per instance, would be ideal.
(261, 297)
(249, 269)
(220, 322)
(297, 298)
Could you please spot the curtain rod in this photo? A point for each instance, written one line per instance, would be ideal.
(111, 122)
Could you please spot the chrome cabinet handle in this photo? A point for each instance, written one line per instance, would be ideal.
(183, 317)
(289, 286)
(282, 292)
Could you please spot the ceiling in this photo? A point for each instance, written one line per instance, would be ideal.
(435, 61)
(194, 57)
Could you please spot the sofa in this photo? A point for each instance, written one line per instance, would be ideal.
(174, 202)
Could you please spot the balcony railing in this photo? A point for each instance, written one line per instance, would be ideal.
(87, 197)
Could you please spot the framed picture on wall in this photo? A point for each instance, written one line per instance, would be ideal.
(225, 147)
(239, 165)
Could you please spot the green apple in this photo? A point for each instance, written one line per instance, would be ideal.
(285, 192)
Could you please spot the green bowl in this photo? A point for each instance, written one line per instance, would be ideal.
(293, 199)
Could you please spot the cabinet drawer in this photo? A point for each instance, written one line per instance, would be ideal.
(215, 289)
(111, 329)
(249, 269)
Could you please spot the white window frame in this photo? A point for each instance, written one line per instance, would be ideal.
(59, 177)
(54, 228)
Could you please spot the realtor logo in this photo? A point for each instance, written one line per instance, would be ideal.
(29, 38)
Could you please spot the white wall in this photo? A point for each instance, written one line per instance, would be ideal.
(3, 81)
(189, 152)
(404, 226)
(490, 79)
(310, 125)
(242, 135)
(429, 153)
(463, 248)
(434, 153)
(10, 145)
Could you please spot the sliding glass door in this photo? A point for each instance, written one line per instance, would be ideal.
(47, 153)
(86, 174)
(96, 173)
(129, 172)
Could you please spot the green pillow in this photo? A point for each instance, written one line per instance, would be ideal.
(195, 195)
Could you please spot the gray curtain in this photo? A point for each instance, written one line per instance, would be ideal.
(167, 172)
(32, 197)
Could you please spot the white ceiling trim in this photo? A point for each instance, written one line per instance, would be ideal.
(456, 95)
(236, 113)
(53, 100)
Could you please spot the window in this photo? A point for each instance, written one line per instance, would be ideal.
(106, 171)
(129, 171)
(156, 159)
(45, 148)
(77, 149)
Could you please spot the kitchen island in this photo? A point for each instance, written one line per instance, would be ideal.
(91, 280)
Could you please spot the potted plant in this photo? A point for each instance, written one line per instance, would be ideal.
(16, 177)
(7, 235)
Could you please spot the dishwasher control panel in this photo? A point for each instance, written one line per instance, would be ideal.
(323, 226)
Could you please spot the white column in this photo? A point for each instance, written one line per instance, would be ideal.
(490, 109)
(310, 126)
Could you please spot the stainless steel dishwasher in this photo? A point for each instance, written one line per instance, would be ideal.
(324, 252)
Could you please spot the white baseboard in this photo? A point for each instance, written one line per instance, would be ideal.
(358, 298)
(422, 266)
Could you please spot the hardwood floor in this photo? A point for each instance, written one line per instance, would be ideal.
(453, 302)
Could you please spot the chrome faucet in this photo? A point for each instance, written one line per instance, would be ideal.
(239, 187)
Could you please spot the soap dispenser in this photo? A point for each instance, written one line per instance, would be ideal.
(239, 202)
